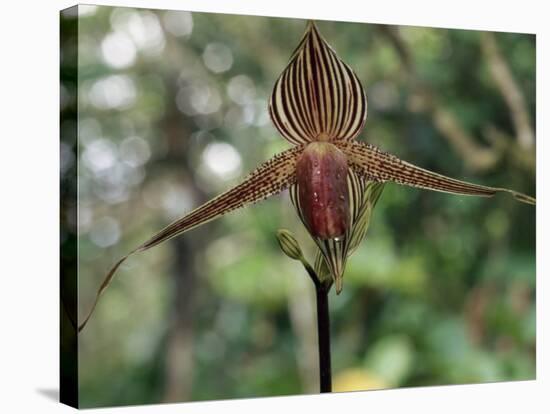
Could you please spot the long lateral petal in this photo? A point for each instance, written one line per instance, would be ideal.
(317, 97)
(268, 179)
(376, 165)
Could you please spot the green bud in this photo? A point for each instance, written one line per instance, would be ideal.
(289, 245)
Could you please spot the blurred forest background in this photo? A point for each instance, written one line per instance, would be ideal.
(173, 110)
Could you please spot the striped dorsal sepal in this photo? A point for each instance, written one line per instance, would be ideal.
(317, 97)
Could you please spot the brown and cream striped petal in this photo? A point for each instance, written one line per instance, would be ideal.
(268, 179)
(318, 96)
(375, 165)
(371, 194)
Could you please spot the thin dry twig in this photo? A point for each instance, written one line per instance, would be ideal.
(476, 157)
(509, 89)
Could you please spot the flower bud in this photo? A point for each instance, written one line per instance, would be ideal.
(289, 245)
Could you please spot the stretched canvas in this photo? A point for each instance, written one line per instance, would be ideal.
(351, 274)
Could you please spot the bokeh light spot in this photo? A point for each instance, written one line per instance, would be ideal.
(134, 151)
(105, 232)
(217, 57)
(118, 50)
(99, 155)
(113, 92)
(241, 89)
(222, 159)
(179, 23)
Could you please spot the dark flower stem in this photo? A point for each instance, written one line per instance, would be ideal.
(323, 331)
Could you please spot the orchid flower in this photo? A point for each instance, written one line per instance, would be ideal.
(319, 105)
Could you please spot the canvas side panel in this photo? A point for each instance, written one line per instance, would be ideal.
(68, 206)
